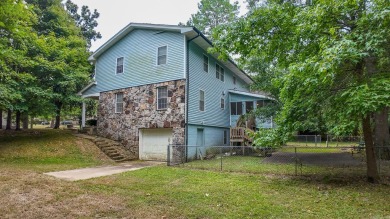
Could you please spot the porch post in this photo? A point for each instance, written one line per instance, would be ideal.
(83, 116)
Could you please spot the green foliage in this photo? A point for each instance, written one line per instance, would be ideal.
(212, 13)
(272, 138)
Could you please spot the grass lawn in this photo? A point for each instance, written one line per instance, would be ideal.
(161, 191)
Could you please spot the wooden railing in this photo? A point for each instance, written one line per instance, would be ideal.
(240, 134)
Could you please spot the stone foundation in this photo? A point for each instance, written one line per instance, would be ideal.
(140, 112)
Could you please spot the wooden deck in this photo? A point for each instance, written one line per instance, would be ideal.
(239, 135)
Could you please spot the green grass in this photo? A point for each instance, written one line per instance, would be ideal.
(247, 188)
(46, 149)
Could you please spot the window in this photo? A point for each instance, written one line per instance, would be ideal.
(222, 103)
(249, 106)
(220, 73)
(118, 102)
(225, 137)
(162, 55)
(119, 65)
(205, 63)
(162, 98)
(234, 80)
(260, 103)
(236, 108)
(201, 100)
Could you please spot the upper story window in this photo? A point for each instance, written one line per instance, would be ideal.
(162, 98)
(162, 55)
(119, 65)
(205, 63)
(222, 103)
(234, 80)
(220, 72)
(236, 108)
(201, 100)
(118, 102)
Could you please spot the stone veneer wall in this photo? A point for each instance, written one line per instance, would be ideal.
(140, 111)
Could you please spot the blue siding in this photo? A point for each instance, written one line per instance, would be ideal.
(213, 115)
(139, 49)
(213, 136)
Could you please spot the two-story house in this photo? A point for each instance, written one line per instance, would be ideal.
(157, 84)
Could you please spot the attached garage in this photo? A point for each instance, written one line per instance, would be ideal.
(153, 143)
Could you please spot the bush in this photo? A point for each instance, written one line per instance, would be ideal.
(91, 122)
(270, 138)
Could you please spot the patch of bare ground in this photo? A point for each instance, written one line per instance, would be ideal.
(26, 194)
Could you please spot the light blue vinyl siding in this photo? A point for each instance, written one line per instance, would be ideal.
(214, 88)
(139, 49)
(213, 136)
(92, 90)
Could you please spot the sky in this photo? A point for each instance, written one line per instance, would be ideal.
(116, 14)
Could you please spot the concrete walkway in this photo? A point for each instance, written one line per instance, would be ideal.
(88, 173)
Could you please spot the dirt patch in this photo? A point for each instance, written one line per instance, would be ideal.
(319, 159)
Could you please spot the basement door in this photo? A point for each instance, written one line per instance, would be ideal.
(153, 144)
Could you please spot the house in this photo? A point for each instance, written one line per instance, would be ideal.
(157, 85)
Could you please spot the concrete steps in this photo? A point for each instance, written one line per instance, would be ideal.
(112, 149)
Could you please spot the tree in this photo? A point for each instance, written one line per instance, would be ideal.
(330, 58)
(86, 21)
(212, 13)
(63, 51)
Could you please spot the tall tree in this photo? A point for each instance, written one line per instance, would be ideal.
(212, 13)
(332, 59)
(87, 21)
(63, 53)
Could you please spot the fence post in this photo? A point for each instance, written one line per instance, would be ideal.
(168, 155)
(296, 162)
(220, 152)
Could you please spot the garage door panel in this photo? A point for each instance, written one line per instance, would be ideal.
(153, 144)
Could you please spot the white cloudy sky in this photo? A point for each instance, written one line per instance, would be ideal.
(116, 14)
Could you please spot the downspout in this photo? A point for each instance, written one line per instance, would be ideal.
(187, 89)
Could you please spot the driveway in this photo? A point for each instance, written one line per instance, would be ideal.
(88, 173)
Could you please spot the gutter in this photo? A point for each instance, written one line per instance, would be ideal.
(187, 87)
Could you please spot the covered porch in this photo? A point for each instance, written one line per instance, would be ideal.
(242, 103)
(87, 92)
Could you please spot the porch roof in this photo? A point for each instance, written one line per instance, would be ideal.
(244, 93)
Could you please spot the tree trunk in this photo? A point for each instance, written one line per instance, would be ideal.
(382, 135)
(372, 170)
(1, 119)
(31, 122)
(17, 128)
(25, 120)
(9, 115)
(58, 114)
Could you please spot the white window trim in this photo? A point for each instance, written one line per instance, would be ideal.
(116, 102)
(166, 61)
(222, 99)
(208, 63)
(220, 72)
(158, 98)
(116, 65)
(204, 101)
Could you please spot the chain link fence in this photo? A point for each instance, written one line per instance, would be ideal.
(324, 141)
(288, 160)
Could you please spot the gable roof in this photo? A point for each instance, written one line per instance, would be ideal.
(189, 32)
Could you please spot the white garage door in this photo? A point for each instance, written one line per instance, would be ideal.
(153, 144)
